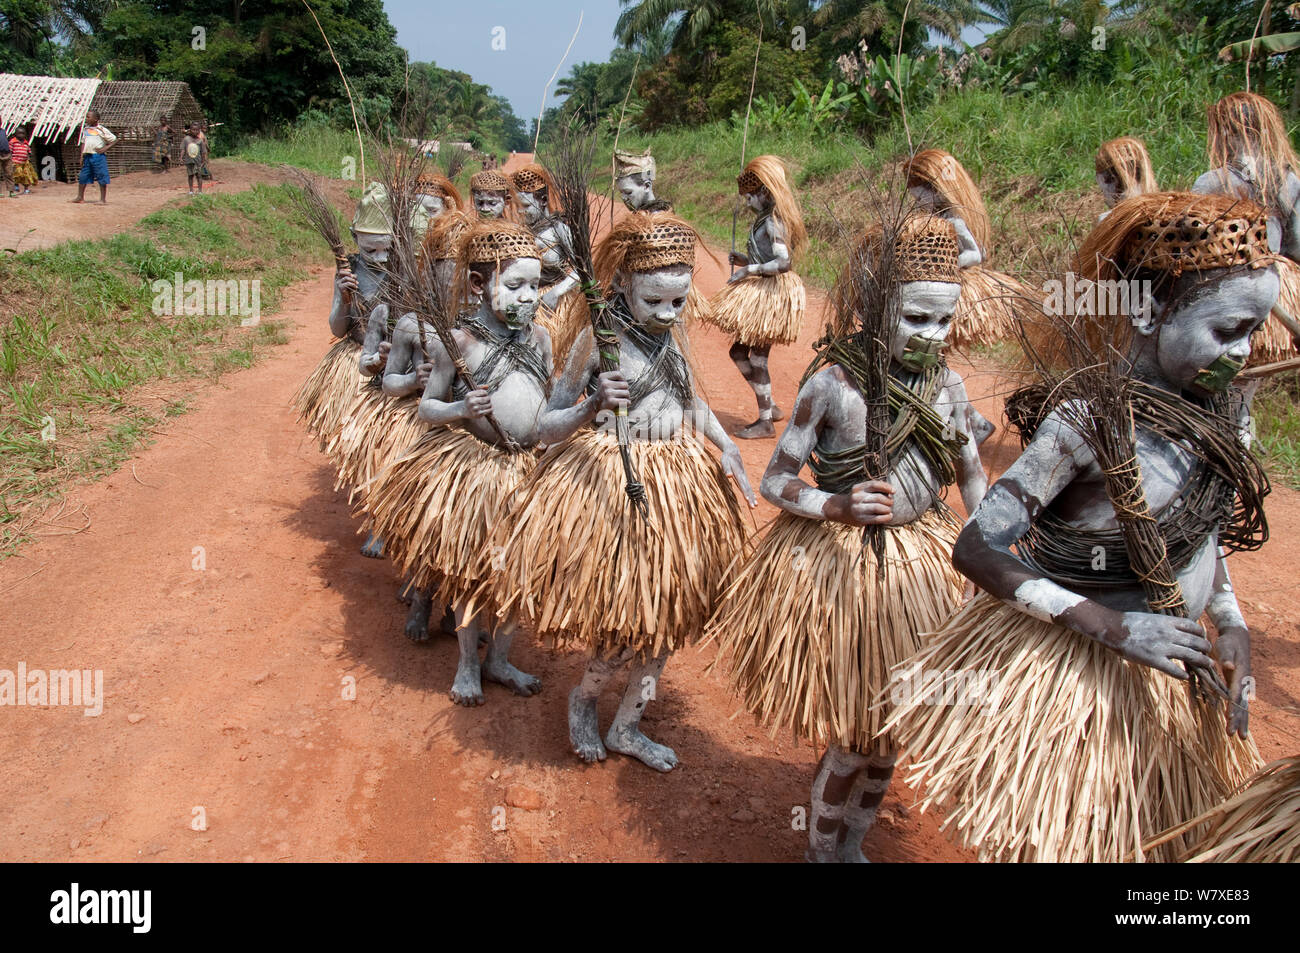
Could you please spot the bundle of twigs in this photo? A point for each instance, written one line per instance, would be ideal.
(415, 289)
(571, 168)
(1096, 399)
(320, 213)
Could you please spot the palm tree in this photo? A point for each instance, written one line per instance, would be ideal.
(854, 19)
(688, 20)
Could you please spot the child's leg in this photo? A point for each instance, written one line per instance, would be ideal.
(624, 735)
(584, 729)
(761, 381)
(864, 801)
(832, 785)
(497, 667)
(467, 689)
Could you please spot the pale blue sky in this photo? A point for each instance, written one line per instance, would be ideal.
(457, 34)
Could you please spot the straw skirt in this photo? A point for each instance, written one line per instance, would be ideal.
(436, 505)
(329, 392)
(1272, 342)
(760, 310)
(378, 432)
(580, 566)
(811, 625)
(991, 306)
(1260, 825)
(1073, 755)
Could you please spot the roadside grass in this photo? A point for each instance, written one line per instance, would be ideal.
(83, 356)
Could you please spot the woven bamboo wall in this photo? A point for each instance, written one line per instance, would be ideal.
(131, 110)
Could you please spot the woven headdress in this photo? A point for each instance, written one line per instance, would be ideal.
(645, 241)
(1173, 233)
(497, 241)
(1127, 158)
(374, 215)
(489, 181)
(925, 249)
(533, 178)
(631, 163)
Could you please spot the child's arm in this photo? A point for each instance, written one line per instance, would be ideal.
(866, 504)
(1232, 648)
(1053, 459)
(564, 414)
(972, 481)
(434, 405)
(702, 416)
(402, 376)
(374, 350)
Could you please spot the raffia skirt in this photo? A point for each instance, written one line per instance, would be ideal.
(330, 390)
(1258, 825)
(811, 625)
(578, 564)
(437, 505)
(760, 310)
(377, 433)
(991, 306)
(1272, 342)
(1073, 754)
(564, 324)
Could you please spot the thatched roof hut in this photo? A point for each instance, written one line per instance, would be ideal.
(57, 107)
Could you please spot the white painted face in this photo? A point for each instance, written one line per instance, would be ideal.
(926, 309)
(657, 298)
(373, 248)
(1218, 322)
(1108, 182)
(513, 293)
(489, 204)
(433, 204)
(758, 201)
(636, 190)
(533, 205)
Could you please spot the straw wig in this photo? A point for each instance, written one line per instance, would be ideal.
(769, 172)
(940, 171)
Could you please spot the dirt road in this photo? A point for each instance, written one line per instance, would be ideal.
(256, 678)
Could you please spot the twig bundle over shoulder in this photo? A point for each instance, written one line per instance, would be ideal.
(586, 571)
(812, 624)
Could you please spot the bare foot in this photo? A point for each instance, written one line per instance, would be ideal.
(584, 729)
(777, 413)
(467, 689)
(417, 619)
(76, 201)
(448, 623)
(503, 673)
(758, 429)
(373, 547)
(821, 856)
(850, 854)
(660, 757)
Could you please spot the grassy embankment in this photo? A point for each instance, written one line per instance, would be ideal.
(87, 369)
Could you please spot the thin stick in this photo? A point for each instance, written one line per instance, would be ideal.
(744, 138)
(898, 62)
(613, 159)
(547, 88)
(1268, 370)
(347, 88)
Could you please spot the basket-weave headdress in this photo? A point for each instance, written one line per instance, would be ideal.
(496, 241)
(489, 180)
(1172, 233)
(643, 242)
(533, 178)
(431, 183)
(925, 249)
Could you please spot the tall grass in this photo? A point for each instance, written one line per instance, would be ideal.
(79, 336)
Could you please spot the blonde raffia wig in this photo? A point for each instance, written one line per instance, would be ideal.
(493, 242)
(768, 172)
(940, 172)
(1127, 158)
(445, 236)
(1249, 123)
(534, 177)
